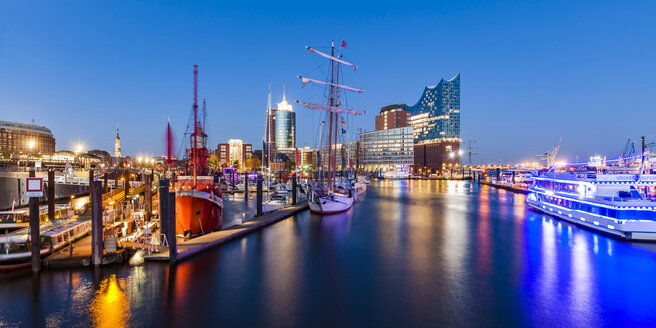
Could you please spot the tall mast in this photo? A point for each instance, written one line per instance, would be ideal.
(196, 124)
(268, 176)
(330, 126)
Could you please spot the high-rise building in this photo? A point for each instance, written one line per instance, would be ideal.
(285, 124)
(234, 151)
(436, 116)
(20, 138)
(392, 117)
(435, 119)
(117, 145)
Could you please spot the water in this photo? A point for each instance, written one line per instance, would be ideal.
(419, 253)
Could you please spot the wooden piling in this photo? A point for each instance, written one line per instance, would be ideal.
(51, 194)
(294, 187)
(96, 223)
(148, 195)
(105, 185)
(35, 236)
(259, 195)
(246, 186)
(173, 242)
(164, 206)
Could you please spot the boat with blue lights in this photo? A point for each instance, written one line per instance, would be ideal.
(621, 204)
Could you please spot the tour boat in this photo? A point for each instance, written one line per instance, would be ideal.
(326, 196)
(623, 205)
(198, 203)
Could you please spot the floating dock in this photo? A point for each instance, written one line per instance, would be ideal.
(190, 247)
(505, 187)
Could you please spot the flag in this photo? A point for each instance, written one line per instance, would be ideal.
(343, 123)
(350, 162)
(323, 122)
(343, 131)
(343, 44)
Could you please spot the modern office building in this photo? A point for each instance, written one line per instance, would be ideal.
(26, 139)
(348, 155)
(308, 157)
(387, 149)
(285, 128)
(235, 150)
(435, 119)
(392, 117)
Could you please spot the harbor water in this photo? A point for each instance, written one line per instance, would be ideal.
(409, 254)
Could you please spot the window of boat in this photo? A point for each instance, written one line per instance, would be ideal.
(603, 211)
(612, 213)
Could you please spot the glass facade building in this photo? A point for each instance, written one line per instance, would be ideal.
(390, 149)
(285, 128)
(436, 116)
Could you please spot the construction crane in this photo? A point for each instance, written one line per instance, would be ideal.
(550, 157)
(629, 148)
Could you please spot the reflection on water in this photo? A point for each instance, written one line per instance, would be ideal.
(409, 253)
(110, 306)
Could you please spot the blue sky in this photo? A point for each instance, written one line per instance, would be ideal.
(532, 71)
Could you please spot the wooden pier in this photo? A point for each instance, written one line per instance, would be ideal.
(190, 247)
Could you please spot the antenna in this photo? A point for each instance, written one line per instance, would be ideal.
(204, 113)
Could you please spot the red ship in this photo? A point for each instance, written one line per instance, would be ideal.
(198, 203)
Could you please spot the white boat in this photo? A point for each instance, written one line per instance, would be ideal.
(396, 175)
(275, 203)
(332, 202)
(623, 205)
(325, 196)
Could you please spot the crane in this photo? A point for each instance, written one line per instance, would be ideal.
(550, 157)
(629, 148)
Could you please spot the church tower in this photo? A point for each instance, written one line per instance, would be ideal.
(117, 145)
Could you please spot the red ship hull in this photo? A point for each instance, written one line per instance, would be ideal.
(197, 213)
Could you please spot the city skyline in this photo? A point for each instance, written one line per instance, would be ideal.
(559, 64)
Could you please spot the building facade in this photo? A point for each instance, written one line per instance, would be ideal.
(26, 139)
(234, 151)
(435, 119)
(387, 150)
(392, 117)
(285, 125)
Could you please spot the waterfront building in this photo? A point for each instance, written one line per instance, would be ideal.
(348, 154)
(28, 139)
(235, 150)
(387, 150)
(308, 157)
(435, 120)
(392, 117)
(285, 128)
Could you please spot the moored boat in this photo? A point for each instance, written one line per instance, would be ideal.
(198, 203)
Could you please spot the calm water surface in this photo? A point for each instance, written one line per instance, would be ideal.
(419, 253)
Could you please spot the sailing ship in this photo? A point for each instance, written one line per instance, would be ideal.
(198, 203)
(272, 202)
(327, 195)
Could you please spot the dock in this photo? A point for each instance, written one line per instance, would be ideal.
(187, 248)
(190, 247)
(505, 187)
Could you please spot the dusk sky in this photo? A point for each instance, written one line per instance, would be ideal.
(531, 71)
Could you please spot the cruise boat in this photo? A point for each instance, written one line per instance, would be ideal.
(395, 175)
(623, 205)
(326, 195)
(198, 203)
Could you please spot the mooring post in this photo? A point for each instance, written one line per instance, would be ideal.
(126, 184)
(34, 230)
(173, 242)
(91, 178)
(148, 195)
(246, 186)
(115, 179)
(513, 176)
(498, 174)
(105, 185)
(294, 188)
(51, 194)
(164, 206)
(96, 223)
(259, 195)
